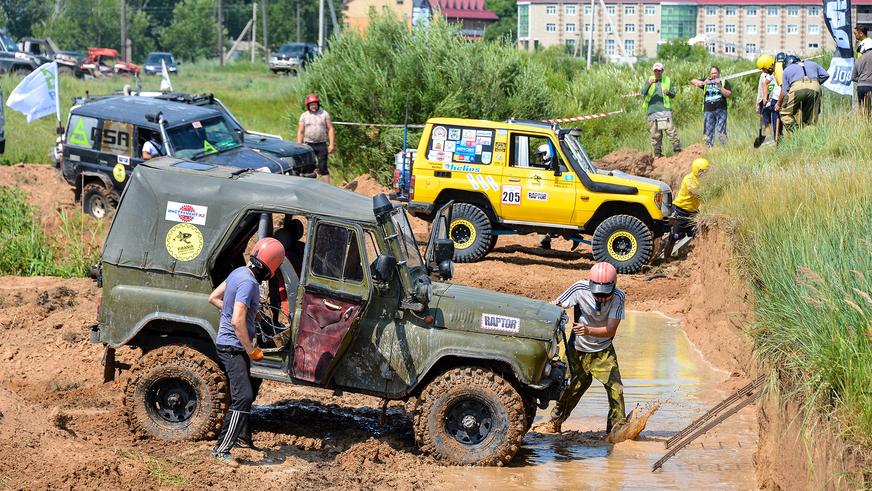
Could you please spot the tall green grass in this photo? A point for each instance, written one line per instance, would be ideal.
(802, 214)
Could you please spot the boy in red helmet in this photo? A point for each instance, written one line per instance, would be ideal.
(316, 130)
(599, 308)
(238, 299)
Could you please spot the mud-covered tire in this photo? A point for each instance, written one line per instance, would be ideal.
(624, 241)
(155, 378)
(491, 410)
(97, 201)
(471, 231)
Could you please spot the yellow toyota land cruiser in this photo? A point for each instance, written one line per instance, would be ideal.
(528, 176)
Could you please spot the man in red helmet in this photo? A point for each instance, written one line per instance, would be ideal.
(599, 308)
(316, 130)
(238, 299)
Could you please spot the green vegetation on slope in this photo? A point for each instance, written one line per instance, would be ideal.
(803, 229)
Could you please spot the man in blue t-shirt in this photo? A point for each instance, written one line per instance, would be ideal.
(238, 298)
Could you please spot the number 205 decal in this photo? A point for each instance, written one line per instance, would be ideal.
(511, 195)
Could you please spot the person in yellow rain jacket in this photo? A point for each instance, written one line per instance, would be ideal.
(685, 206)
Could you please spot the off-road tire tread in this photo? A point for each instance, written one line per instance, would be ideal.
(471, 378)
(483, 229)
(111, 196)
(644, 242)
(207, 425)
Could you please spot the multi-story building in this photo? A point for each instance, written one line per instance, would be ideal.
(741, 28)
(471, 15)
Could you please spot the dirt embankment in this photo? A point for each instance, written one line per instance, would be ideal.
(667, 169)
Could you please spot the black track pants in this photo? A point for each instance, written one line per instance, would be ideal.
(238, 367)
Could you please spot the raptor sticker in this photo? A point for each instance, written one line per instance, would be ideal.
(537, 196)
(501, 323)
(184, 242)
(185, 213)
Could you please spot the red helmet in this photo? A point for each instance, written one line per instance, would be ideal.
(312, 98)
(267, 254)
(603, 277)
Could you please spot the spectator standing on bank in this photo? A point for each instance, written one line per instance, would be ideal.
(862, 71)
(768, 91)
(657, 93)
(715, 106)
(316, 130)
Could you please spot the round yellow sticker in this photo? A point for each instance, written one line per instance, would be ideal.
(119, 172)
(184, 242)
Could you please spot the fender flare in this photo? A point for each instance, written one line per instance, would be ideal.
(86, 175)
(444, 353)
(203, 324)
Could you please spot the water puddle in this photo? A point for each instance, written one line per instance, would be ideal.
(657, 362)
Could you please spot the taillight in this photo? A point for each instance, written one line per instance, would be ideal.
(412, 188)
(397, 180)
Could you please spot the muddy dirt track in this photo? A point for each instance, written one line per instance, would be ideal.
(61, 428)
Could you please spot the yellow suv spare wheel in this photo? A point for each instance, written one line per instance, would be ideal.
(470, 230)
(624, 241)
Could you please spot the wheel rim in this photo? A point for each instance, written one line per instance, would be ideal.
(97, 206)
(462, 233)
(469, 422)
(171, 400)
(622, 245)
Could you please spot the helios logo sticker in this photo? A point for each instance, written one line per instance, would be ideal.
(493, 322)
(185, 213)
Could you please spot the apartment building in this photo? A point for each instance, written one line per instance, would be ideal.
(471, 16)
(741, 28)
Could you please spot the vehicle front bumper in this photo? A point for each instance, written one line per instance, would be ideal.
(278, 64)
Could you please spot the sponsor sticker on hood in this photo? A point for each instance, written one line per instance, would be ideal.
(185, 213)
(501, 323)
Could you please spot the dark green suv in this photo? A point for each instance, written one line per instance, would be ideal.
(355, 309)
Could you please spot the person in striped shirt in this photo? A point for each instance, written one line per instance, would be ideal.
(598, 307)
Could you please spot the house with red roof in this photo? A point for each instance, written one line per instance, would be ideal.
(472, 15)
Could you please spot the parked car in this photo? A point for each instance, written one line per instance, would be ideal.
(152, 66)
(103, 143)
(292, 57)
(103, 62)
(68, 61)
(14, 61)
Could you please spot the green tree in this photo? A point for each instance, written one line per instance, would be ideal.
(193, 32)
(678, 49)
(21, 15)
(507, 26)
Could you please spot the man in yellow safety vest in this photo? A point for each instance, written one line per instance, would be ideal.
(657, 94)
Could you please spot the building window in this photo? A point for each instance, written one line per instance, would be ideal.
(772, 11)
(650, 10)
(710, 29)
(813, 46)
(629, 10)
(569, 9)
(609, 28)
(751, 11)
(551, 9)
(570, 45)
(731, 11)
(587, 10)
(523, 21)
(711, 11)
(730, 28)
(813, 11)
(649, 28)
(629, 47)
(550, 27)
(772, 29)
(751, 29)
(610, 46)
(814, 29)
(793, 11)
(711, 48)
(587, 28)
(610, 9)
(730, 49)
(792, 28)
(570, 27)
(750, 48)
(629, 27)
(677, 21)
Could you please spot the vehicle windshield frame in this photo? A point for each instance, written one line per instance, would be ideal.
(8, 42)
(229, 118)
(298, 50)
(408, 245)
(576, 154)
(154, 59)
(174, 132)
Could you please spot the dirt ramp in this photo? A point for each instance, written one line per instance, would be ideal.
(672, 169)
(630, 161)
(366, 185)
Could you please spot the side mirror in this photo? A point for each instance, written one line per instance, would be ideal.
(383, 268)
(443, 251)
(446, 269)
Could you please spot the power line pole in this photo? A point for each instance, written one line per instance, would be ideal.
(253, 28)
(124, 54)
(220, 33)
(265, 31)
(321, 25)
(298, 21)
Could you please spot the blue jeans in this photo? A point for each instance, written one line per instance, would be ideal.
(715, 122)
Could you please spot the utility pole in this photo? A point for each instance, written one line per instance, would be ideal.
(321, 25)
(220, 33)
(265, 31)
(124, 54)
(592, 29)
(298, 21)
(253, 28)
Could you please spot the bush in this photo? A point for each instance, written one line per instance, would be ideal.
(678, 49)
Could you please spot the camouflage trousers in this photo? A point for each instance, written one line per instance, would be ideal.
(668, 127)
(802, 105)
(603, 366)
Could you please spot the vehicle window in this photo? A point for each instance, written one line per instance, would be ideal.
(531, 151)
(116, 138)
(372, 248)
(202, 137)
(336, 254)
(8, 43)
(460, 144)
(81, 131)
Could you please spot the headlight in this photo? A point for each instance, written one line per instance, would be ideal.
(264, 169)
(658, 198)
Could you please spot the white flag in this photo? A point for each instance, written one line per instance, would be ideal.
(37, 95)
(165, 84)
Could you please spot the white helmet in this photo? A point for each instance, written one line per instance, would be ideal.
(544, 152)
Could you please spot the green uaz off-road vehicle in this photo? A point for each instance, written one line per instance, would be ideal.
(354, 309)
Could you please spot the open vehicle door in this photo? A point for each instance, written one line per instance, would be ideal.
(336, 288)
(440, 248)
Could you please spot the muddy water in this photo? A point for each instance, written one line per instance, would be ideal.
(657, 362)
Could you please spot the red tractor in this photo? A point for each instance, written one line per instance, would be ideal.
(104, 62)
